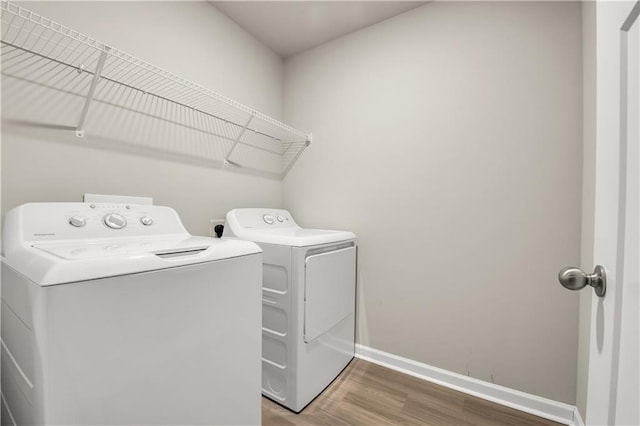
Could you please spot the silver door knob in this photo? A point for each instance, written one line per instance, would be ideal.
(576, 279)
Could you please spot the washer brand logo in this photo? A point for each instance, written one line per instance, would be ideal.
(45, 235)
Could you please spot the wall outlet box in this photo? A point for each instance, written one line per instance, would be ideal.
(212, 224)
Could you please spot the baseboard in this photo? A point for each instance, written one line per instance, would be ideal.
(532, 404)
(577, 418)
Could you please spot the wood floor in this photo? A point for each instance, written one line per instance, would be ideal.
(367, 394)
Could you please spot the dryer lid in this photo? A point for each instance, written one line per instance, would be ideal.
(297, 237)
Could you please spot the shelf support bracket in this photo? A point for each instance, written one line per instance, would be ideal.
(235, 142)
(307, 142)
(92, 89)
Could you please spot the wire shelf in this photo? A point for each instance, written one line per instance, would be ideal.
(53, 75)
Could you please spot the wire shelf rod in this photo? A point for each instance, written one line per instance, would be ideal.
(185, 106)
(66, 48)
(106, 78)
(178, 123)
(19, 53)
(32, 52)
(207, 92)
(12, 71)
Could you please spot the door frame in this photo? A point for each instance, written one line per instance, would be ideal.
(613, 21)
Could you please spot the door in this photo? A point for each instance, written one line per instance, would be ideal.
(330, 290)
(613, 393)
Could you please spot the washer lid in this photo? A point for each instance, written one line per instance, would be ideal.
(126, 248)
(72, 261)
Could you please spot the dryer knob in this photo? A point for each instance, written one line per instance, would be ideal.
(146, 220)
(268, 219)
(115, 221)
(77, 221)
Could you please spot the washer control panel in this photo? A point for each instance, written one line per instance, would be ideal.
(268, 219)
(146, 221)
(56, 221)
(77, 221)
(115, 221)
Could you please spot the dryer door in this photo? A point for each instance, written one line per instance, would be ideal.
(330, 290)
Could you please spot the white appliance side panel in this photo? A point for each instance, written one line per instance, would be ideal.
(329, 290)
(21, 358)
(278, 363)
(178, 346)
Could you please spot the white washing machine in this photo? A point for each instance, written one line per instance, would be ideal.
(114, 314)
(308, 302)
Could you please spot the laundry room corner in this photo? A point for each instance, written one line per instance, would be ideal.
(455, 181)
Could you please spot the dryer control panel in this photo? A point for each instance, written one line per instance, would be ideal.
(262, 218)
(274, 226)
(62, 221)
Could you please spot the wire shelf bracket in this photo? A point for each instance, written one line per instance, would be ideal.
(59, 77)
(235, 143)
(307, 142)
(94, 83)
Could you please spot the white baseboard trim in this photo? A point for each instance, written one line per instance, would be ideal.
(532, 404)
(577, 418)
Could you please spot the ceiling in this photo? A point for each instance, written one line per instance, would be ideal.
(290, 27)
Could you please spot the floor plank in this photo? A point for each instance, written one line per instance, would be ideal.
(368, 394)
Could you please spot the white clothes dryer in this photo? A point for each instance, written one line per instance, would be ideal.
(114, 314)
(308, 302)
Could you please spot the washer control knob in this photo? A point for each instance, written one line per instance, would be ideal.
(115, 221)
(280, 219)
(146, 220)
(268, 219)
(77, 221)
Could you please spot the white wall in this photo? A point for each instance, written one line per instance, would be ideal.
(449, 139)
(191, 39)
